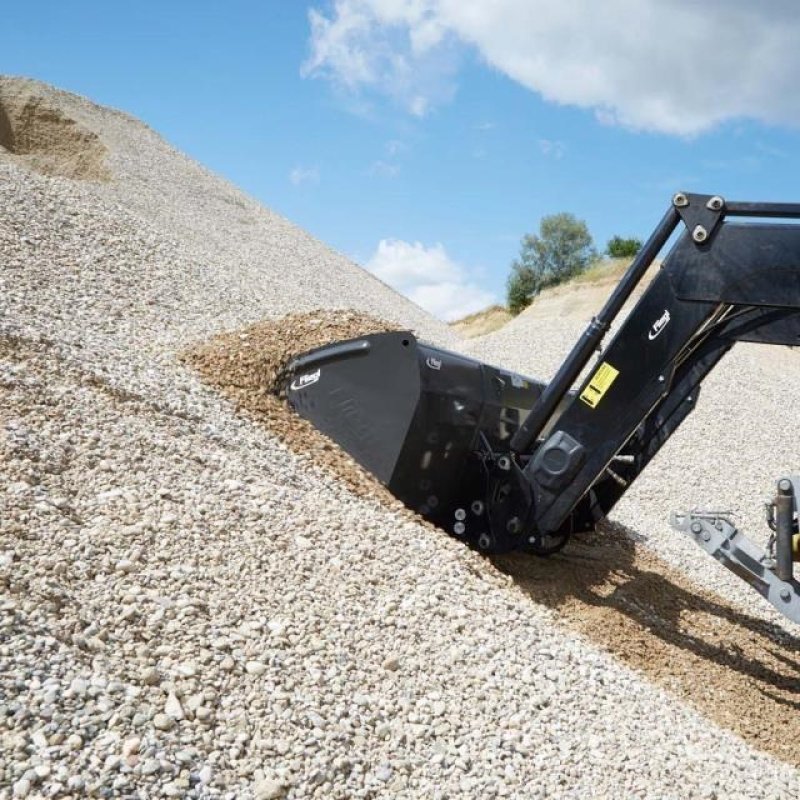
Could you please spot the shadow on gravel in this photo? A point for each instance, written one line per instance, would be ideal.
(739, 670)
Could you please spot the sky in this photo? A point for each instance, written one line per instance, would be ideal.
(424, 138)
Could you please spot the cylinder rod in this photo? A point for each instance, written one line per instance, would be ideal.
(593, 336)
(784, 525)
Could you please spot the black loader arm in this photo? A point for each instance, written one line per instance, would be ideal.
(723, 281)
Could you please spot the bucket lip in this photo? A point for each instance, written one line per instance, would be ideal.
(358, 346)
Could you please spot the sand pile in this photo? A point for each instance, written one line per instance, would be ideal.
(43, 138)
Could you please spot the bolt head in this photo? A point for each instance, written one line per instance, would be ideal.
(715, 203)
(696, 527)
(706, 537)
(459, 528)
(460, 514)
(784, 484)
(699, 234)
(514, 525)
(680, 200)
(785, 595)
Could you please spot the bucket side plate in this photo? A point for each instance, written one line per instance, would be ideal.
(362, 393)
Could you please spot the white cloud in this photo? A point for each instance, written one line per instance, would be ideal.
(552, 148)
(392, 47)
(429, 277)
(677, 66)
(300, 175)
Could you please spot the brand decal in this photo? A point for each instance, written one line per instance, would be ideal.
(434, 363)
(304, 381)
(659, 325)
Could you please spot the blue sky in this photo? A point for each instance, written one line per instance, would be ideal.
(425, 137)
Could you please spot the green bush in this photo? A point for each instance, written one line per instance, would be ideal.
(562, 249)
(619, 247)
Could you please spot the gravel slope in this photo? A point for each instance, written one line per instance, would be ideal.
(191, 609)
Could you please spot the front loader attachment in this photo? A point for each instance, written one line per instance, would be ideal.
(506, 462)
(431, 425)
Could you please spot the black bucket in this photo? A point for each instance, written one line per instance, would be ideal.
(419, 418)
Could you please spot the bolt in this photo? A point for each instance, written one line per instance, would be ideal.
(477, 507)
(786, 595)
(715, 203)
(706, 537)
(484, 541)
(459, 528)
(460, 514)
(699, 234)
(785, 485)
(696, 527)
(514, 525)
(504, 462)
(680, 200)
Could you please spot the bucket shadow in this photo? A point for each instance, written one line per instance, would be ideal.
(738, 669)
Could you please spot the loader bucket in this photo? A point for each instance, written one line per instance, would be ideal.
(417, 417)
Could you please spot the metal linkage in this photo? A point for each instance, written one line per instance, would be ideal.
(717, 535)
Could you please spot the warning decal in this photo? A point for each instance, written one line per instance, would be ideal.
(599, 384)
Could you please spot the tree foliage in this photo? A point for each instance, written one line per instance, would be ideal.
(562, 249)
(620, 247)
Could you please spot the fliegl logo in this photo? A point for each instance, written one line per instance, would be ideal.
(659, 325)
(434, 363)
(304, 381)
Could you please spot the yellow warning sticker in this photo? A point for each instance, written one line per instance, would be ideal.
(599, 384)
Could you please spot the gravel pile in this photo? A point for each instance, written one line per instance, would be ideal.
(190, 609)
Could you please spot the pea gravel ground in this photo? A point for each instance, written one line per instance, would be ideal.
(191, 608)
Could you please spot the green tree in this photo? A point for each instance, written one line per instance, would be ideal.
(620, 247)
(562, 249)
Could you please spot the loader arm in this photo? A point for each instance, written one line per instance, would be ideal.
(723, 281)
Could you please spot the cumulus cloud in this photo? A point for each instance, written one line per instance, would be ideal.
(301, 175)
(392, 47)
(672, 66)
(429, 277)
